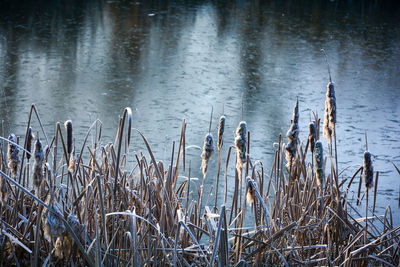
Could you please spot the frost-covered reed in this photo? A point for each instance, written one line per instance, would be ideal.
(156, 220)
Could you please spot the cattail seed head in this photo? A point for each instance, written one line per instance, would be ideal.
(58, 250)
(293, 137)
(330, 112)
(68, 127)
(38, 172)
(368, 170)
(53, 225)
(29, 143)
(240, 144)
(13, 157)
(312, 136)
(319, 162)
(208, 150)
(71, 163)
(250, 191)
(3, 190)
(221, 129)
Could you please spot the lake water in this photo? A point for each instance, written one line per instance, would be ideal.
(169, 60)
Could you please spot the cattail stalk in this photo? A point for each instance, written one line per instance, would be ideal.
(293, 138)
(221, 129)
(208, 150)
(329, 125)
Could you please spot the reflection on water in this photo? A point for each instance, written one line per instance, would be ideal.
(171, 60)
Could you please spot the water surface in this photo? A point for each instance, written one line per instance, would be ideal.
(170, 60)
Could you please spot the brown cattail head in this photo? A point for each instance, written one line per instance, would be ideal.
(38, 172)
(72, 160)
(241, 144)
(221, 129)
(319, 162)
(368, 170)
(330, 112)
(3, 190)
(68, 127)
(251, 191)
(312, 136)
(293, 137)
(208, 150)
(29, 143)
(13, 157)
(58, 251)
(53, 225)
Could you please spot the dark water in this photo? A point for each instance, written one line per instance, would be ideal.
(170, 60)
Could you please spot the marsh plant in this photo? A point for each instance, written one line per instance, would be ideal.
(89, 207)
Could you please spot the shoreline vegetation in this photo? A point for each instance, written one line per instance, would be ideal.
(59, 207)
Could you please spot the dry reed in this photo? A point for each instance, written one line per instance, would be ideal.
(155, 220)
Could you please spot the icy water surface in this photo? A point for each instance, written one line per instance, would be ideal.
(170, 60)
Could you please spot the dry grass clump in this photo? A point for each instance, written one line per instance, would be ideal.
(105, 212)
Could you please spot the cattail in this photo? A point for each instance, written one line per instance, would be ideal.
(68, 127)
(221, 129)
(330, 112)
(13, 157)
(3, 190)
(62, 247)
(312, 136)
(208, 150)
(71, 164)
(38, 173)
(75, 225)
(53, 225)
(368, 170)
(58, 251)
(240, 144)
(293, 137)
(29, 143)
(319, 162)
(251, 191)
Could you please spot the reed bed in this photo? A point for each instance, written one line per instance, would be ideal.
(92, 208)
